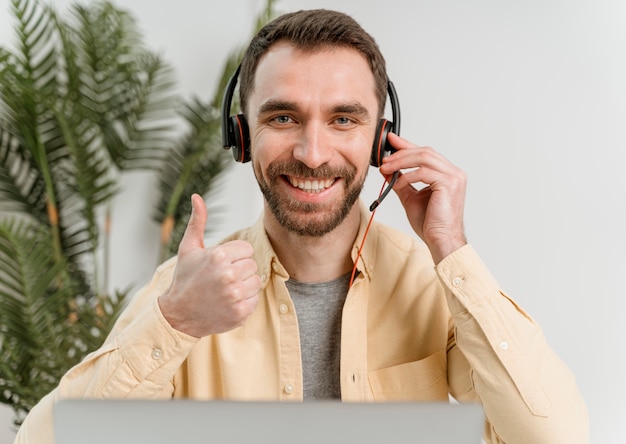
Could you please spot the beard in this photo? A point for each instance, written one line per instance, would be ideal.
(305, 218)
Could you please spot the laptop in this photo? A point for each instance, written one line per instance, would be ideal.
(199, 422)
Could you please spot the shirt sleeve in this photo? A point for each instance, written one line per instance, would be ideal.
(138, 360)
(527, 392)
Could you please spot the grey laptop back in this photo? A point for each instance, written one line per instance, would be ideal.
(196, 422)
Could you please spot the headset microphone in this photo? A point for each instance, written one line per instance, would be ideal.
(390, 185)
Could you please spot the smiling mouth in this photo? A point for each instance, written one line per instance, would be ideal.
(311, 185)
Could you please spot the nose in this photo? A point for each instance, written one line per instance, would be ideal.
(314, 146)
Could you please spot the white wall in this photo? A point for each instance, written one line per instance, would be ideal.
(528, 97)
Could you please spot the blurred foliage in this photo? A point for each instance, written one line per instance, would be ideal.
(83, 100)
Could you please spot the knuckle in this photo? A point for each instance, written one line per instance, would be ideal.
(241, 312)
(461, 177)
(236, 293)
(228, 276)
(217, 255)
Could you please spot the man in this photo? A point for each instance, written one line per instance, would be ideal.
(293, 308)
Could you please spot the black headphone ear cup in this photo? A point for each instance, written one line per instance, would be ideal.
(241, 135)
(381, 147)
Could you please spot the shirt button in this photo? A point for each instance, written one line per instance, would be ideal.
(263, 278)
(156, 353)
(504, 345)
(457, 281)
(283, 308)
(289, 389)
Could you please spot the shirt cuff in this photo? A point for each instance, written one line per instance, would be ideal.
(151, 347)
(467, 277)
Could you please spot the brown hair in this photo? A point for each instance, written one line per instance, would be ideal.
(313, 30)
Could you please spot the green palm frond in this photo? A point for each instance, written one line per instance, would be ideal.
(28, 80)
(128, 92)
(72, 89)
(21, 187)
(44, 141)
(192, 167)
(46, 325)
(24, 304)
(117, 96)
(27, 77)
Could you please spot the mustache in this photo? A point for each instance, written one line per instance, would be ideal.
(299, 169)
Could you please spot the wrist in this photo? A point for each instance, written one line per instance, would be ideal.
(443, 248)
(176, 321)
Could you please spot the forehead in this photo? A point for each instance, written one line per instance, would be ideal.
(286, 71)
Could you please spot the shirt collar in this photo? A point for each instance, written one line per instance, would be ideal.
(268, 262)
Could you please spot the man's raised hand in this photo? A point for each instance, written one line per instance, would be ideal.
(214, 289)
(435, 210)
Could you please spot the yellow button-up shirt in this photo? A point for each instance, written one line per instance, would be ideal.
(410, 331)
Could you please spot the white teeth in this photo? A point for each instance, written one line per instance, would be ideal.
(311, 185)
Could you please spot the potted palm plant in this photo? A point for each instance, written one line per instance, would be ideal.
(82, 100)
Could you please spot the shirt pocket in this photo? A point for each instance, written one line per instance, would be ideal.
(423, 380)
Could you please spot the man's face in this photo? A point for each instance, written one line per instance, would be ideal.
(312, 118)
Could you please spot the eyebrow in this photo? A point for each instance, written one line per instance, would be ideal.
(277, 105)
(352, 108)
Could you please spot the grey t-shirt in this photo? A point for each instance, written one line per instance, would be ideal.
(319, 307)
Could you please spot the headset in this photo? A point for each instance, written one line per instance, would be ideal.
(236, 134)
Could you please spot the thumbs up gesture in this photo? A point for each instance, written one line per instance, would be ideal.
(214, 289)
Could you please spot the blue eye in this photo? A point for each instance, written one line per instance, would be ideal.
(282, 119)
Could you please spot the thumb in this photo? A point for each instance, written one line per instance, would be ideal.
(193, 238)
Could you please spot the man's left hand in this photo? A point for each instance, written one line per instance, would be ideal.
(435, 209)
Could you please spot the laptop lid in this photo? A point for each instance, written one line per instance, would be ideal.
(196, 422)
